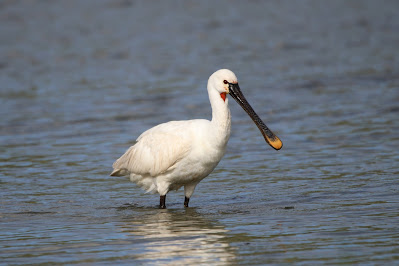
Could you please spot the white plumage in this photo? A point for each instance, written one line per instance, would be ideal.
(182, 153)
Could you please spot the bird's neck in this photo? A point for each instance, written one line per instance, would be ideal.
(221, 118)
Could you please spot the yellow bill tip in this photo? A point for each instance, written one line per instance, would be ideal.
(275, 142)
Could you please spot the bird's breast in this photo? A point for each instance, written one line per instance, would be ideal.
(208, 154)
(208, 145)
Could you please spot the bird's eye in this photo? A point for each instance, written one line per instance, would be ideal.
(225, 81)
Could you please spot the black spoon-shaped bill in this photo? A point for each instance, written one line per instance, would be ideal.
(270, 137)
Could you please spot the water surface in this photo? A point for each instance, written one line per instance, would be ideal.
(81, 80)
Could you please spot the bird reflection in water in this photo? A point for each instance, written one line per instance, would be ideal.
(183, 237)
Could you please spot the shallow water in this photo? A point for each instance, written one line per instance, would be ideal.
(81, 80)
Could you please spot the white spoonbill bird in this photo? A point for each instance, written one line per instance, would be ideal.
(182, 153)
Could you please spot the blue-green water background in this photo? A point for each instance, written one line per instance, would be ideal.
(80, 80)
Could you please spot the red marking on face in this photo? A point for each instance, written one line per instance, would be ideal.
(223, 96)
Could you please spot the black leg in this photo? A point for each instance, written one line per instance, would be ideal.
(186, 200)
(162, 202)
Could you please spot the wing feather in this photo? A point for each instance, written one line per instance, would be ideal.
(156, 151)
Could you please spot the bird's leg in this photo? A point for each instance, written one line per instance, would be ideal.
(162, 202)
(188, 191)
(186, 200)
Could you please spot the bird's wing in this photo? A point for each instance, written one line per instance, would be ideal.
(156, 151)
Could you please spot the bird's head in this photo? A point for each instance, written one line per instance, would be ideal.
(225, 82)
(221, 81)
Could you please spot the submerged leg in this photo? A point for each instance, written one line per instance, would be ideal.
(186, 200)
(188, 191)
(162, 188)
(162, 202)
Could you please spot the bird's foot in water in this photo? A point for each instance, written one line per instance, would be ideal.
(162, 204)
(186, 200)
